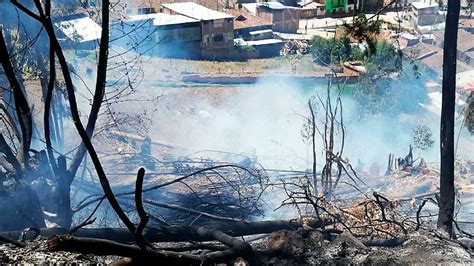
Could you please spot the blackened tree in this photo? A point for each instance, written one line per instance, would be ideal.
(447, 193)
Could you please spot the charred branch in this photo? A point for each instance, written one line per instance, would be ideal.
(21, 104)
(8, 159)
(179, 233)
(107, 247)
(6, 239)
(141, 241)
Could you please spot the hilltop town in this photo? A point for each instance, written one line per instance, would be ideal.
(255, 132)
(228, 31)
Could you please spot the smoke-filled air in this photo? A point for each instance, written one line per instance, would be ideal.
(247, 133)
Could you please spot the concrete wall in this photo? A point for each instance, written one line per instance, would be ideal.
(425, 16)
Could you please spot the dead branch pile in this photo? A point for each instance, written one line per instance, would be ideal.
(295, 47)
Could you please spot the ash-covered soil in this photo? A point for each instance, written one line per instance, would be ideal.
(309, 248)
(301, 247)
(36, 253)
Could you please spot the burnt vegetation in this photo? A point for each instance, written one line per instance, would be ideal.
(206, 211)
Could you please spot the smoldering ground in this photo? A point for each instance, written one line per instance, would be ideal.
(264, 121)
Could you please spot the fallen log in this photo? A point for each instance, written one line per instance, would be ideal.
(175, 233)
(388, 243)
(7, 239)
(107, 247)
(96, 246)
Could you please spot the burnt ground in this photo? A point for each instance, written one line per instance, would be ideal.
(302, 247)
(36, 252)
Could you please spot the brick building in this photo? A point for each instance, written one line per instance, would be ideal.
(284, 18)
(424, 13)
(160, 34)
(217, 28)
(245, 22)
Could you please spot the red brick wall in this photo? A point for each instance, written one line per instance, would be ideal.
(263, 13)
(218, 34)
(286, 20)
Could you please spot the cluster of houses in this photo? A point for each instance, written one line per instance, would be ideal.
(190, 30)
(247, 29)
(426, 43)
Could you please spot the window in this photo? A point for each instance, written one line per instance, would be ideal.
(218, 37)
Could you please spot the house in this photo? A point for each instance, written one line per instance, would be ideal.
(312, 10)
(217, 28)
(245, 23)
(467, 24)
(266, 48)
(261, 35)
(467, 8)
(160, 34)
(254, 35)
(77, 31)
(336, 6)
(133, 7)
(438, 38)
(465, 82)
(465, 47)
(428, 38)
(363, 6)
(283, 18)
(262, 48)
(432, 57)
(404, 3)
(424, 13)
(407, 39)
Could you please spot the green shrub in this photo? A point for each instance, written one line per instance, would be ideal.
(334, 51)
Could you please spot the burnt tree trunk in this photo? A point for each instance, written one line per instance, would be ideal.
(22, 108)
(176, 233)
(313, 140)
(447, 196)
(64, 179)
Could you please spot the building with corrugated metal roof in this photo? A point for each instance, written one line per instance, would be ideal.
(217, 28)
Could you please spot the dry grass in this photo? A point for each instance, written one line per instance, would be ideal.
(256, 66)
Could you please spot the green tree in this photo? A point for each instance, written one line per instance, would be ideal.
(334, 51)
(386, 57)
(321, 50)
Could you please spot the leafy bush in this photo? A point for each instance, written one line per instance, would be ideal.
(422, 137)
(334, 51)
(386, 57)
